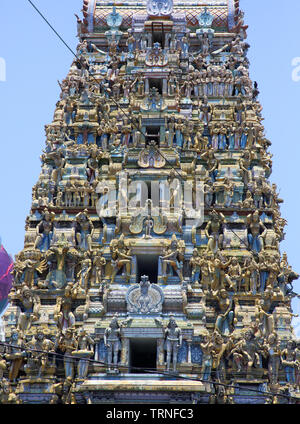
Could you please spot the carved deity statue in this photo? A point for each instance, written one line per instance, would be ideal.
(121, 258)
(67, 344)
(31, 304)
(44, 231)
(172, 258)
(85, 230)
(214, 231)
(173, 341)
(84, 352)
(112, 341)
(246, 354)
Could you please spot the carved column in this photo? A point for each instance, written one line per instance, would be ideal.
(125, 352)
(160, 352)
(189, 353)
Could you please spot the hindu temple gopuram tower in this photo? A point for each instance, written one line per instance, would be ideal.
(151, 270)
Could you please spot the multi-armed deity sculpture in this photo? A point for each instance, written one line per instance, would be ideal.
(154, 204)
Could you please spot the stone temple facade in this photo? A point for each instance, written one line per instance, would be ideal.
(151, 270)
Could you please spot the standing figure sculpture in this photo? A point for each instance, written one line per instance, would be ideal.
(15, 355)
(224, 319)
(172, 258)
(272, 352)
(255, 225)
(112, 341)
(288, 359)
(266, 318)
(67, 344)
(173, 341)
(84, 273)
(44, 231)
(85, 230)
(120, 258)
(57, 277)
(207, 358)
(214, 232)
(195, 267)
(99, 263)
(83, 351)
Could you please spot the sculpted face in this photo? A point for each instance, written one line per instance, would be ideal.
(114, 323)
(27, 294)
(248, 335)
(223, 294)
(172, 323)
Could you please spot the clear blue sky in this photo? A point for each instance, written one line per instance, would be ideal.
(36, 59)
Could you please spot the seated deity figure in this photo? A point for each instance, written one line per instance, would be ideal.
(286, 275)
(112, 341)
(120, 258)
(84, 273)
(234, 275)
(246, 353)
(31, 304)
(63, 314)
(173, 341)
(213, 231)
(173, 259)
